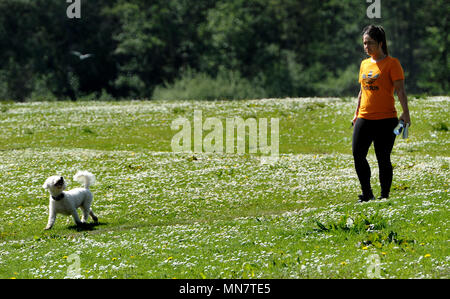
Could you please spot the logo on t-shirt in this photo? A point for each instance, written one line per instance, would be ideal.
(370, 79)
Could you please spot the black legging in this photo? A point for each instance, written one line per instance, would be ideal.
(383, 137)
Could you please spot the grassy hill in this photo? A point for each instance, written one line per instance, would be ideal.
(220, 215)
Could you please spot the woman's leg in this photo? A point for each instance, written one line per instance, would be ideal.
(383, 144)
(362, 139)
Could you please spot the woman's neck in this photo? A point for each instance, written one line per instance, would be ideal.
(379, 56)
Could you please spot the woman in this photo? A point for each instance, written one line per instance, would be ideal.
(376, 117)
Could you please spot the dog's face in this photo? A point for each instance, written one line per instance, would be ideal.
(56, 184)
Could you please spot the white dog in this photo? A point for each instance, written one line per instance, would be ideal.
(67, 202)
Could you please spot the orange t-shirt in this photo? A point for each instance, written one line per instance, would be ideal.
(377, 87)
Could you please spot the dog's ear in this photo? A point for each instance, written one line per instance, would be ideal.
(45, 186)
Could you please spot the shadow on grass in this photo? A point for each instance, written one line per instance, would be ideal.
(86, 226)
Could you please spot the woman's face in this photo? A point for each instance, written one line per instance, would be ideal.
(371, 47)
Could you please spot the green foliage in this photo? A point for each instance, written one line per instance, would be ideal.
(278, 48)
(227, 85)
(372, 230)
(360, 223)
(338, 84)
(16, 81)
(440, 126)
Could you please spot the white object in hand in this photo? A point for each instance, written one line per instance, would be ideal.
(398, 129)
(405, 132)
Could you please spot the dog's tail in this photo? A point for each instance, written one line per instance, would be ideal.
(85, 178)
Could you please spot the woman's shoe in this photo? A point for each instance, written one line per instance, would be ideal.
(364, 198)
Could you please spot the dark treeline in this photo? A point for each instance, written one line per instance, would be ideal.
(212, 49)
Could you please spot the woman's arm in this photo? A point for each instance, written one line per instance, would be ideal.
(399, 86)
(357, 108)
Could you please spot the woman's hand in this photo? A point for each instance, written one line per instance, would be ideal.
(354, 119)
(405, 117)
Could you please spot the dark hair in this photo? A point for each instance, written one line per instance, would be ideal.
(377, 33)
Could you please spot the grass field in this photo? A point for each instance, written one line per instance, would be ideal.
(211, 215)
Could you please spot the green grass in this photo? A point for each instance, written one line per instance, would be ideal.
(211, 215)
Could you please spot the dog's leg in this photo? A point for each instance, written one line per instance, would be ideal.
(76, 218)
(51, 219)
(95, 218)
(85, 216)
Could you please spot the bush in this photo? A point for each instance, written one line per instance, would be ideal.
(41, 91)
(16, 81)
(343, 83)
(200, 86)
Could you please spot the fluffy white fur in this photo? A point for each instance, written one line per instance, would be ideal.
(67, 202)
